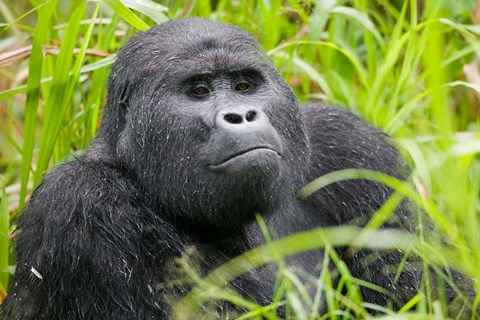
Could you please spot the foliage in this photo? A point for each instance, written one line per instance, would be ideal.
(409, 67)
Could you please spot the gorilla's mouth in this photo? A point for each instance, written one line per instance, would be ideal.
(246, 152)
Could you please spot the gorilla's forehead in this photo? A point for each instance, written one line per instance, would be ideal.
(216, 61)
(198, 38)
(188, 31)
(205, 56)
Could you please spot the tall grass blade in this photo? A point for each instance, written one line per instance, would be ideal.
(153, 10)
(4, 241)
(60, 91)
(33, 92)
(123, 11)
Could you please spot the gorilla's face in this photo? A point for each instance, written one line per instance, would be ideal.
(212, 132)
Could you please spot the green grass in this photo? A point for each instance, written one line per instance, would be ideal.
(409, 67)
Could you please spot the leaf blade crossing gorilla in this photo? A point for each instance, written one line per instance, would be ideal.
(199, 133)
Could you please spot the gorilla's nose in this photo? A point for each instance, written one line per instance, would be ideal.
(240, 118)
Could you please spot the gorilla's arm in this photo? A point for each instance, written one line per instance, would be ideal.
(85, 239)
(340, 140)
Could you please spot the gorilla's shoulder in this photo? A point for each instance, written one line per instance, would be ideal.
(340, 139)
(80, 186)
(84, 174)
(325, 118)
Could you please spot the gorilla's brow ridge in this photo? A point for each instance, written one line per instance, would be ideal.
(201, 67)
(249, 73)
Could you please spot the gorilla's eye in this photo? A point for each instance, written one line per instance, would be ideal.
(200, 90)
(242, 86)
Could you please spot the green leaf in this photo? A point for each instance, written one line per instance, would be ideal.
(319, 18)
(127, 15)
(4, 241)
(59, 94)
(45, 14)
(149, 8)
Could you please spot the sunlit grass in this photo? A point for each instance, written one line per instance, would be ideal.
(408, 67)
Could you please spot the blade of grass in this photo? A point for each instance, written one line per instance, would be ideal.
(319, 18)
(59, 94)
(270, 22)
(4, 241)
(149, 8)
(127, 15)
(436, 77)
(33, 92)
(8, 26)
(393, 53)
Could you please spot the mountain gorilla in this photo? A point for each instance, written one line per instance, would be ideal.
(199, 133)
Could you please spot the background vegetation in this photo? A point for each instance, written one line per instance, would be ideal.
(410, 67)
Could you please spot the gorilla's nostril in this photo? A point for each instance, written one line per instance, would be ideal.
(251, 116)
(233, 118)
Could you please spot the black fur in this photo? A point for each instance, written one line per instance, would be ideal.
(101, 231)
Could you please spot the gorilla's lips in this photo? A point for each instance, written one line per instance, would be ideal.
(254, 152)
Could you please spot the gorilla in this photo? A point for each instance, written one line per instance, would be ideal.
(199, 134)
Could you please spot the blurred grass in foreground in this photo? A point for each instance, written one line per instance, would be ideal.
(409, 67)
